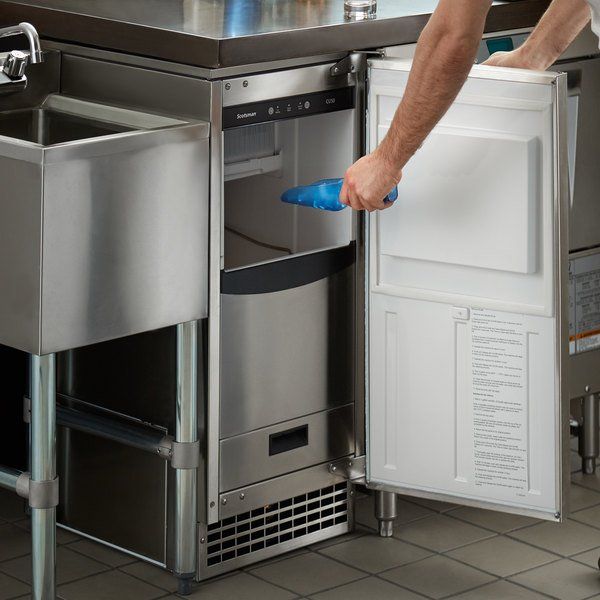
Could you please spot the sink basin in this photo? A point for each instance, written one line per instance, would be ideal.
(103, 223)
(47, 126)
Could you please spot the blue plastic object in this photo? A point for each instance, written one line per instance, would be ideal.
(323, 195)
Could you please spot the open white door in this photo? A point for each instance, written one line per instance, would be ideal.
(467, 341)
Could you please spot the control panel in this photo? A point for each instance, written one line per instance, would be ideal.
(291, 107)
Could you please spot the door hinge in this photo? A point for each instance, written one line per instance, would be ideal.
(352, 63)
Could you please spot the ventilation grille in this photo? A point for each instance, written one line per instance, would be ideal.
(277, 523)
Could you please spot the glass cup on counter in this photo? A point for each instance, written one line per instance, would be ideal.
(360, 9)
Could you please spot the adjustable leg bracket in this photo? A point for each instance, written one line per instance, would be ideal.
(40, 494)
(185, 455)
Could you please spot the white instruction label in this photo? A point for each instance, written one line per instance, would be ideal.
(584, 305)
(499, 411)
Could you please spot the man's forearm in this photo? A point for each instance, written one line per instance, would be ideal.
(445, 53)
(559, 26)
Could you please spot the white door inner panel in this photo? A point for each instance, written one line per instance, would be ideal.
(473, 420)
(456, 190)
(464, 319)
(474, 220)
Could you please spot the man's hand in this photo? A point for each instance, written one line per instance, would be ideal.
(513, 60)
(368, 182)
(559, 26)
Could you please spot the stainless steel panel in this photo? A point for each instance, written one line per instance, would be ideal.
(584, 367)
(112, 492)
(286, 354)
(246, 458)
(233, 32)
(134, 376)
(213, 405)
(116, 259)
(584, 373)
(288, 485)
(144, 88)
(584, 84)
(164, 66)
(280, 84)
(298, 520)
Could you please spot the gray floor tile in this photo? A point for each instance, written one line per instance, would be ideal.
(434, 505)
(437, 577)
(589, 558)
(154, 575)
(276, 559)
(500, 590)
(11, 588)
(359, 531)
(364, 512)
(240, 586)
(441, 533)
(565, 539)
(12, 507)
(28, 597)
(502, 556)
(101, 553)
(14, 542)
(581, 497)
(62, 536)
(69, 566)
(110, 586)
(564, 579)
(408, 511)
(374, 554)
(589, 516)
(308, 573)
(371, 587)
(589, 481)
(491, 519)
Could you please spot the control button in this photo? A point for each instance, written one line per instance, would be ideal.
(271, 110)
(307, 105)
(461, 313)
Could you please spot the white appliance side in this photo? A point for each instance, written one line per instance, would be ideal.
(464, 320)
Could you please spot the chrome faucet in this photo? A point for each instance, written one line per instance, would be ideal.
(13, 69)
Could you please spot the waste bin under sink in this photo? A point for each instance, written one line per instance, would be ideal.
(103, 223)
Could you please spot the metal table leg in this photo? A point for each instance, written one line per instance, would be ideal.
(589, 435)
(43, 469)
(186, 432)
(386, 511)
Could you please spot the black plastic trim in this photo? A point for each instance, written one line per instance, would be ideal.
(287, 273)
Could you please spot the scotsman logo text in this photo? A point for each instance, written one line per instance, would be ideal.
(248, 115)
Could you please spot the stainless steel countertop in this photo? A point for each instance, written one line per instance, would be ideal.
(225, 33)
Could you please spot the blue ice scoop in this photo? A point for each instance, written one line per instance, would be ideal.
(323, 194)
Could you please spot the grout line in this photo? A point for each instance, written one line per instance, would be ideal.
(112, 567)
(120, 570)
(294, 591)
(466, 564)
(402, 587)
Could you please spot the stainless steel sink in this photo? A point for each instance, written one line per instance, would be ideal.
(47, 126)
(103, 223)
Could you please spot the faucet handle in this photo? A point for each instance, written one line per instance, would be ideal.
(15, 63)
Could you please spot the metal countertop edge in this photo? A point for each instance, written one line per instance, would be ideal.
(211, 53)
